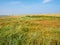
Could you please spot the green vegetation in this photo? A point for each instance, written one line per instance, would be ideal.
(30, 30)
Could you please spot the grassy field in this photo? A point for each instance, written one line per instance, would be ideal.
(30, 30)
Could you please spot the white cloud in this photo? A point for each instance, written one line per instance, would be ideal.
(46, 1)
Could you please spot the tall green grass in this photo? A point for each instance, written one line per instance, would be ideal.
(23, 31)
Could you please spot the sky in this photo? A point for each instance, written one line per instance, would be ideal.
(12, 7)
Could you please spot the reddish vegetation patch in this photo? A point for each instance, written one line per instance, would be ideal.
(53, 23)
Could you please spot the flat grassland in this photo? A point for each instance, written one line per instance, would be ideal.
(30, 30)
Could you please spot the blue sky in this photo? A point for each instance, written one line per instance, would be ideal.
(29, 7)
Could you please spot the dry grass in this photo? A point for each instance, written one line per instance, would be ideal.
(30, 30)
